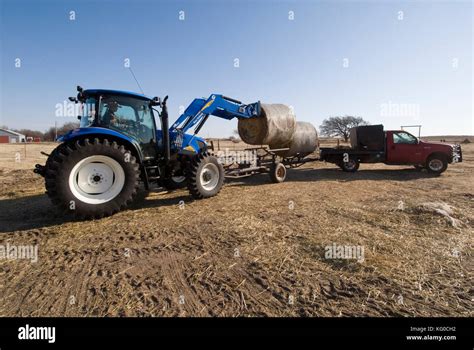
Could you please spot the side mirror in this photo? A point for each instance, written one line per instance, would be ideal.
(156, 101)
(73, 99)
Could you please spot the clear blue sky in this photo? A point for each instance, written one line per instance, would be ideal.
(417, 70)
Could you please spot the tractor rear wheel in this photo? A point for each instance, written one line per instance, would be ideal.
(91, 179)
(205, 176)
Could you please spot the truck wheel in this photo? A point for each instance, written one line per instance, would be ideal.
(278, 172)
(351, 166)
(91, 180)
(175, 182)
(205, 176)
(436, 164)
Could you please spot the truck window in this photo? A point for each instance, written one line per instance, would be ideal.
(405, 138)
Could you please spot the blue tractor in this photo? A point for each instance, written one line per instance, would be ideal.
(97, 168)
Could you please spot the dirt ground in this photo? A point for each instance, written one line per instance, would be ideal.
(257, 249)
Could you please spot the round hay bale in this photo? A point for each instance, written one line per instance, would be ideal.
(275, 125)
(304, 142)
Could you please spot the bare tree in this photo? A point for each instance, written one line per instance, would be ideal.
(340, 126)
(51, 133)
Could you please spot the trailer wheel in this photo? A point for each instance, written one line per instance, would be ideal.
(205, 176)
(350, 166)
(91, 180)
(436, 164)
(278, 172)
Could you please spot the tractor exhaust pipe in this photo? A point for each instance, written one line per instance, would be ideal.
(166, 130)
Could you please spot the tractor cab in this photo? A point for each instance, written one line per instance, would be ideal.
(126, 113)
(132, 115)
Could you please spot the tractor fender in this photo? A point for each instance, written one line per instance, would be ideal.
(102, 133)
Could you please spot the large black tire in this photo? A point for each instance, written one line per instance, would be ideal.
(278, 172)
(436, 164)
(205, 176)
(351, 166)
(65, 159)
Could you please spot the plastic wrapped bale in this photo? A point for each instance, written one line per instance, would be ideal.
(304, 142)
(275, 125)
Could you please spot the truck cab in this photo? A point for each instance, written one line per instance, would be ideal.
(404, 148)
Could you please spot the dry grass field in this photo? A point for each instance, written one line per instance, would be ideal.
(257, 249)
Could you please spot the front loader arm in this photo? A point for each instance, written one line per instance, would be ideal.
(217, 105)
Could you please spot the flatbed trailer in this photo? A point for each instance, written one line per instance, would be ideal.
(266, 160)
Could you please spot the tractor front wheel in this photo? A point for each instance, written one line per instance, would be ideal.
(205, 176)
(91, 179)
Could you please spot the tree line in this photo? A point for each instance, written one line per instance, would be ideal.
(48, 135)
(331, 127)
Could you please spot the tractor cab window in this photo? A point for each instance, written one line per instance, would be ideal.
(129, 116)
(404, 138)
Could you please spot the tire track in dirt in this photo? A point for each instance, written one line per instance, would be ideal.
(191, 252)
(174, 268)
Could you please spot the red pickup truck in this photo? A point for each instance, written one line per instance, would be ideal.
(371, 144)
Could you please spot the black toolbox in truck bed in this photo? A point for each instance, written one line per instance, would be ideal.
(368, 138)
